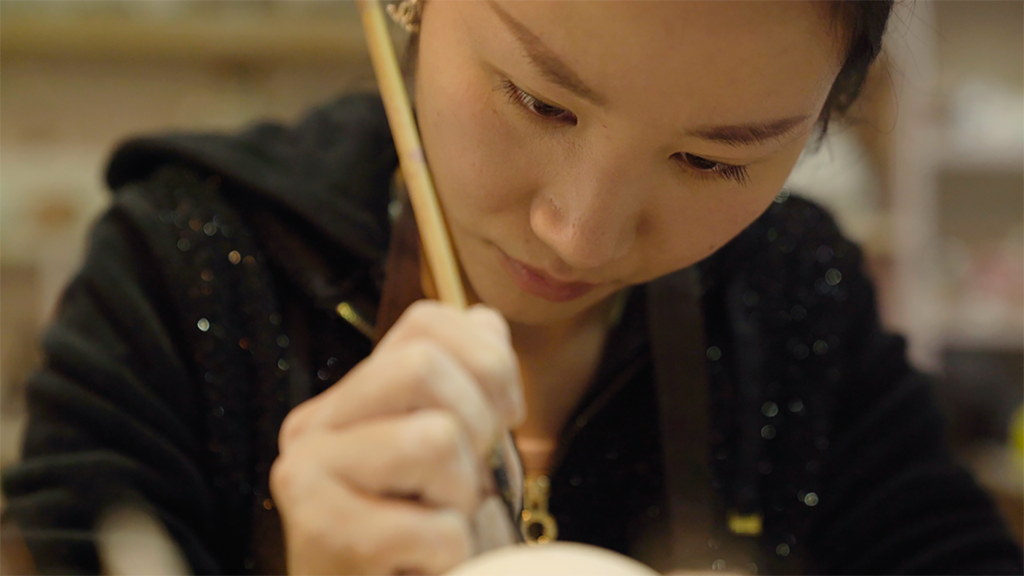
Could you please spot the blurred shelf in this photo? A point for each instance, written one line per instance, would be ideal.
(966, 156)
(216, 39)
(1006, 337)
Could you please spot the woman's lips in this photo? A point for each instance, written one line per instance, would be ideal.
(539, 284)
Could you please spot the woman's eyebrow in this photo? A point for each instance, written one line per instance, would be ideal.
(750, 133)
(545, 61)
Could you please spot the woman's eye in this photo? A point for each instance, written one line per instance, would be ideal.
(700, 163)
(710, 168)
(535, 106)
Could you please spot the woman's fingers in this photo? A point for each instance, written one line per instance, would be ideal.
(427, 457)
(435, 357)
(382, 472)
(356, 533)
(419, 375)
(478, 339)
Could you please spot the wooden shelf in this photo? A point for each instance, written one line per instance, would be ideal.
(255, 41)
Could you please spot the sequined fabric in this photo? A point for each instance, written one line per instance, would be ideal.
(234, 333)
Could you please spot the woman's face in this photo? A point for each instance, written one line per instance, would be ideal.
(582, 147)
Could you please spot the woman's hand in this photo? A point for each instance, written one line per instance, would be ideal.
(382, 473)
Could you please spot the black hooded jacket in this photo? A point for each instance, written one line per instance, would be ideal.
(206, 309)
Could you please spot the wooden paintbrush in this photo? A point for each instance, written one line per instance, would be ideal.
(441, 262)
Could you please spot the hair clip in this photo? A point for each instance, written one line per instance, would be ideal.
(406, 14)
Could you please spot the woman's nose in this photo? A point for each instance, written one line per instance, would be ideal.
(588, 225)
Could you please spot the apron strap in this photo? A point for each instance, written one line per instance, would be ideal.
(699, 537)
(677, 342)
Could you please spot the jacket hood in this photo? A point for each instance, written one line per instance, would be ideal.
(332, 169)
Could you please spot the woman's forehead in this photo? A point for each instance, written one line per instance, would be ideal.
(756, 58)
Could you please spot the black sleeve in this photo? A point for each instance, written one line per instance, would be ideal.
(113, 413)
(894, 501)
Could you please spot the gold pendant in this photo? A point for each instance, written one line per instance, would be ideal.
(537, 525)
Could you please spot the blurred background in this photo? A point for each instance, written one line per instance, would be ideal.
(928, 174)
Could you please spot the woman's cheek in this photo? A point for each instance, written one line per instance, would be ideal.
(702, 222)
(481, 168)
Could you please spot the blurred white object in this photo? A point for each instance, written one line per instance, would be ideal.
(554, 559)
(985, 125)
(130, 540)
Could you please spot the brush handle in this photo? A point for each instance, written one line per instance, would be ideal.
(437, 246)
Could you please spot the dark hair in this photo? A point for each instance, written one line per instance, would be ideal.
(859, 26)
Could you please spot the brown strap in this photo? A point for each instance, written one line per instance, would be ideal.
(401, 271)
(699, 538)
(677, 341)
